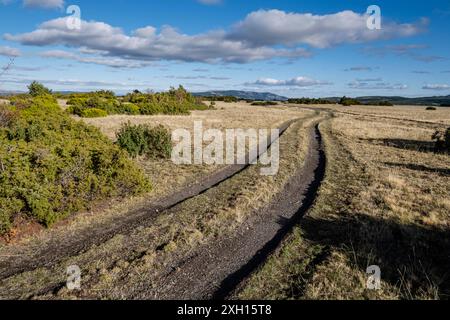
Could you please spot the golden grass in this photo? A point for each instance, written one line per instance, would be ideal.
(385, 202)
(168, 177)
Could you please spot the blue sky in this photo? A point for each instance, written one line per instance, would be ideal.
(293, 48)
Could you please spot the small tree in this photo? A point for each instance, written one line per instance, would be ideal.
(38, 89)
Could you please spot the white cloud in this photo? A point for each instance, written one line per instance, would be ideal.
(272, 27)
(9, 52)
(147, 44)
(436, 87)
(301, 82)
(262, 35)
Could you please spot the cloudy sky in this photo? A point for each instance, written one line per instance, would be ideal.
(290, 47)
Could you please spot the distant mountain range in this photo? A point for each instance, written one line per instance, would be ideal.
(267, 96)
(262, 96)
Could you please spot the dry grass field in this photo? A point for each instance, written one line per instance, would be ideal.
(165, 175)
(384, 202)
(124, 264)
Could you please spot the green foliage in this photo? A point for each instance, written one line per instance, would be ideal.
(347, 102)
(143, 140)
(431, 109)
(93, 113)
(52, 166)
(36, 89)
(175, 102)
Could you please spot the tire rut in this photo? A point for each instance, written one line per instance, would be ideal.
(219, 268)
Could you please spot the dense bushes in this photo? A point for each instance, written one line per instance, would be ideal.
(52, 166)
(93, 113)
(175, 101)
(143, 140)
(347, 102)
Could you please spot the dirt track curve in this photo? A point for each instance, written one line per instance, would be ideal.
(219, 268)
(54, 251)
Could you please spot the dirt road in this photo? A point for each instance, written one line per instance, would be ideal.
(218, 268)
(214, 270)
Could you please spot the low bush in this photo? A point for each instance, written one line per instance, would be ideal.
(442, 141)
(52, 166)
(140, 140)
(431, 109)
(93, 113)
(264, 103)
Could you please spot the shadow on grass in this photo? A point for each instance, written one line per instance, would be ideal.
(405, 144)
(411, 257)
(417, 167)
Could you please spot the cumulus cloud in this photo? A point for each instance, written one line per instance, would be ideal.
(147, 44)
(273, 27)
(438, 87)
(9, 52)
(301, 82)
(262, 35)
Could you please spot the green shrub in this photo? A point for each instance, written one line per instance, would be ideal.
(130, 108)
(159, 142)
(36, 89)
(52, 166)
(431, 109)
(140, 140)
(93, 113)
